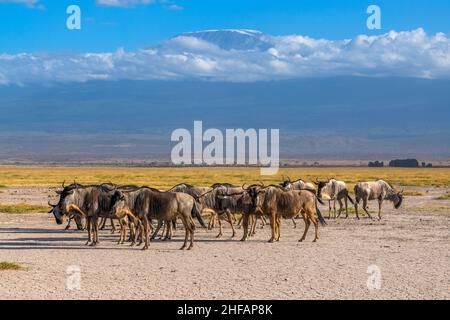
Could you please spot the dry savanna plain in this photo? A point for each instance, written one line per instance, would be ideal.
(406, 255)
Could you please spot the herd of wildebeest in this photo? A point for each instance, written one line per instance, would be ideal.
(91, 206)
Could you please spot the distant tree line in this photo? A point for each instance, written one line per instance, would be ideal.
(400, 163)
(376, 164)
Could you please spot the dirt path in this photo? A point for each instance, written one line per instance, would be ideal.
(411, 248)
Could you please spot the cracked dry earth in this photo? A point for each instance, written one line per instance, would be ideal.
(410, 246)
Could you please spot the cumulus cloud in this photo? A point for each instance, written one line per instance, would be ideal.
(242, 56)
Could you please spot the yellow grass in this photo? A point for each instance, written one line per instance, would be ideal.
(167, 177)
(22, 208)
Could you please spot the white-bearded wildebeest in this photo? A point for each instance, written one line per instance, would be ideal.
(169, 226)
(90, 202)
(376, 190)
(149, 203)
(299, 184)
(279, 203)
(334, 190)
(222, 200)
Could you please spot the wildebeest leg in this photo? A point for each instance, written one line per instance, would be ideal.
(113, 226)
(329, 209)
(263, 221)
(168, 229)
(145, 226)
(341, 207)
(88, 224)
(68, 223)
(272, 216)
(365, 208)
(346, 207)
(316, 226)
(212, 220)
(380, 204)
(220, 225)
(230, 220)
(254, 221)
(239, 224)
(94, 226)
(245, 222)
(334, 208)
(295, 223)
(307, 223)
(140, 235)
(356, 206)
(191, 226)
(278, 228)
(158, 227)
(102, 223)
(123, 230)
(186, 232)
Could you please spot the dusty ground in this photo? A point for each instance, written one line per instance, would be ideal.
(410, 246)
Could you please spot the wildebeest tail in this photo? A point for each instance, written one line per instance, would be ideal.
(320, 217)
(196, 213)
(319, 214)
(350, 199)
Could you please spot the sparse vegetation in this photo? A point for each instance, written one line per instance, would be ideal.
(413, 193)
(9, 266)
(432, 208)
(444, 197)
(22, 208)
(166, 177)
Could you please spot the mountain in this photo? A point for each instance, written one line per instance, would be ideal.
(245, 40)
(332, 117)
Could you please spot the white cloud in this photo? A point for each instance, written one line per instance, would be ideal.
(190, 56)
(123, 3)
(29, 3)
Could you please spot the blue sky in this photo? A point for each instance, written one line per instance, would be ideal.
(41, 26)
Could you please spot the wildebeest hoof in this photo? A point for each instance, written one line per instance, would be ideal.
(219, 235)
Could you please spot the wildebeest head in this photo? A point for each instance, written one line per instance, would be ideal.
(119, 203)
(286, 184)
(320, 186)
(253, 192)
(397, 199)
(66, 196)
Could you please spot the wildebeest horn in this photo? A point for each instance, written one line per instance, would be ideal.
(261, 183)
(51, 205)
(63, 184)
(289, 178)
(243, 186)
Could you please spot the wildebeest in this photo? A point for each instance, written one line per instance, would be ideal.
(194, 192)
(148, 203)
(376, 190)
(334, 190)
(90, 202)
(279, 203)
(222, 200)
(299, 184)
